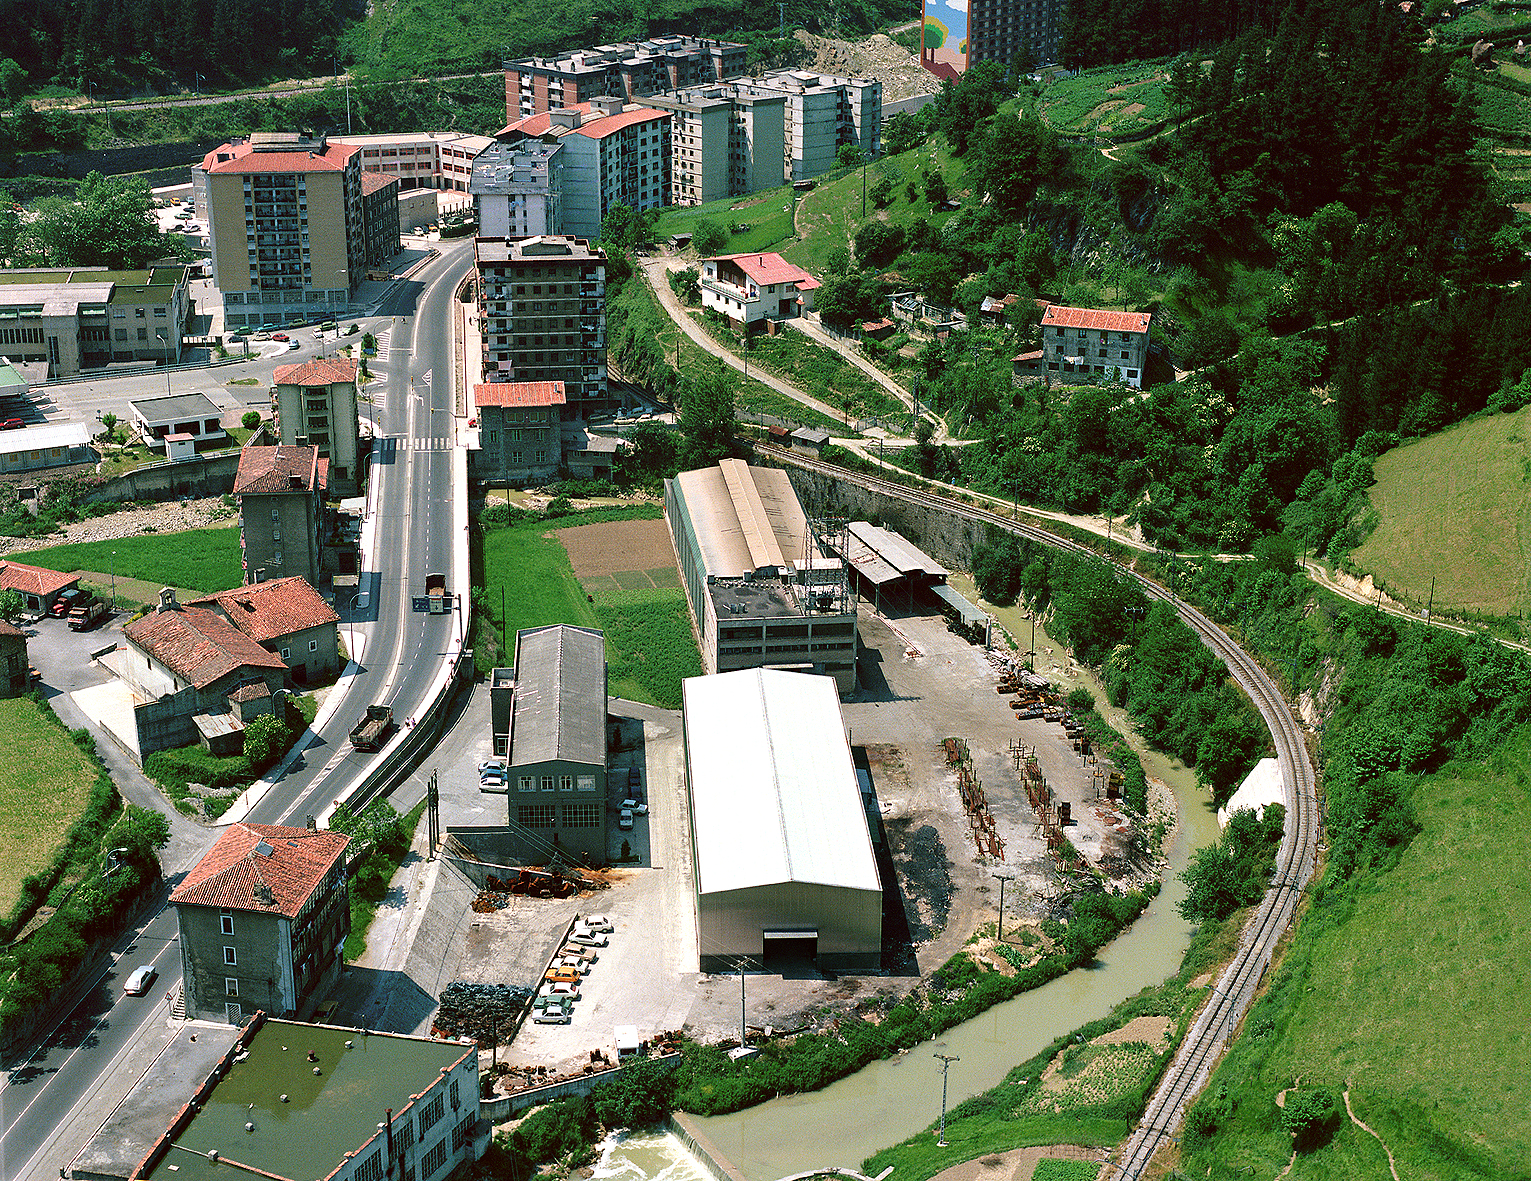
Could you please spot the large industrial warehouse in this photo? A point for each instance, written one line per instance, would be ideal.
(783, 854)
(763, 591)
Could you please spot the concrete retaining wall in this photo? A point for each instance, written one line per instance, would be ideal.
(503, 1108)
(701, 1146)
(207, 475)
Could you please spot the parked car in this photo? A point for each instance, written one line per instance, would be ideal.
(596, 922)
(552, 1017)
(261, 335)
(185, 215)
(552, 1000)
(634, 780)
(139, 979)
(493, 778)
(65, 600)
(292, 346)
(588, 939)
(568, 992)
(637, 806)
(625, 818)
(558, 975)
(12, 424)
(573, 963)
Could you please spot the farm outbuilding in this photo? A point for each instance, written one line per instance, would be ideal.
(784, 867)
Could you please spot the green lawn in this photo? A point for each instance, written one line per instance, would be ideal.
(45, 783)
(1454, 508)
(1414, 996)
(201, 559)
(649, 648)
(768, 213)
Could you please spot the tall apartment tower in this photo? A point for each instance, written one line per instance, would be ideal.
(989, 30)
(284, 215)
(727, 139)
(542, 317)
(629, 70)
(823, 113)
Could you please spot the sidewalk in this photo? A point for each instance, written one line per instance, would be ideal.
(654, 270)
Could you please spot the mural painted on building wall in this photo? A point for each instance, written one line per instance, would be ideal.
(945, 50)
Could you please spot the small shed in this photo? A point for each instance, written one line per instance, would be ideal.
(180, 446)
(810, 439)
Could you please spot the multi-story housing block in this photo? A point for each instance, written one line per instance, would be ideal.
(518, 189)
(316, 407)
(823, 113)
(542, 317)
(518, 432)
(379, 217)
(630, 69)
(262, 917)
(284, 215)
(420, 159)
(727, 139)
(613, 154)
(281, 511)
(1080, 344)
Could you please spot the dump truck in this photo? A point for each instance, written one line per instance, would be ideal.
(368, 734)
(86, 614)
(436, 593)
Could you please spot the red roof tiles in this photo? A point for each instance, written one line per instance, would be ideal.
(372, 182)
(267, 610)
(769, 268)
(198, 645)
(242, 158)
(1057, 316)
(319, 371)
(11, 631)
(33, 580)
(272, 469)
(519, 393)
(251, 859)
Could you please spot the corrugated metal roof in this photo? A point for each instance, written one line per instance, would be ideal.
(895, 551)
(969, 613)
(720, 530)
(774, 796)
(559, 709)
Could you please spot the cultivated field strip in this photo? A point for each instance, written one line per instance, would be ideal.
(1234, 991)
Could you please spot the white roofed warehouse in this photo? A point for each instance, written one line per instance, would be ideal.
(763, 588)
(783, 854)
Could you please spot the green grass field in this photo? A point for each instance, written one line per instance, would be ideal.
(201, 559)
(763, 212)
(1112, 100)
(1454, 507)
(1066, 1170)
(45, 783)
(649, 648)
(1416, 999)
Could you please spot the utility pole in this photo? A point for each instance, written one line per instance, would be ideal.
(946, 1061)
(744, 1039)
(433, 812)
(1000, 938)
(1431, 604)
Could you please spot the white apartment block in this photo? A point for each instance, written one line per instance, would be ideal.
(824, 112)
(613, 154)
(728, 139)
(518, 189)
(420, 159)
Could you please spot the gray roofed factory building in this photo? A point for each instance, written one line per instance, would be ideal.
(781, 843)
(762, 590)
(553, 730)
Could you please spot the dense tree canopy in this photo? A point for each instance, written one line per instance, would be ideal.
(108, 224)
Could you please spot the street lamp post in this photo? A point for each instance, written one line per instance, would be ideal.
(114, 579)
(160, 336)
(352, 623)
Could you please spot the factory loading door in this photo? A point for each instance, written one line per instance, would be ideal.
(788, 949)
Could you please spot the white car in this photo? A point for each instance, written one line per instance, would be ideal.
(292, 346)
(573, 963)
(625, 818)
(596, 922)
(139, 980)
(566, 992)
(588, 939)
(637, 807)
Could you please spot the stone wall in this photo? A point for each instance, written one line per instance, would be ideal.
(207, 475)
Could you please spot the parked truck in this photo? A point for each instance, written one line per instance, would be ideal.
(368, 734)
(85, 615)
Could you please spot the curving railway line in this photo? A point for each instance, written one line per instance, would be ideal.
(1213, 1029)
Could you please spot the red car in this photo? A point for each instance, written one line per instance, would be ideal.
(282, 336)
(12, 424)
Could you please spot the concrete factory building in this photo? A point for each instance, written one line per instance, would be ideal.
(763, 588)
(783, 854)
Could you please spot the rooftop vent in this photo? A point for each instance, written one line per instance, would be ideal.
(264, 849)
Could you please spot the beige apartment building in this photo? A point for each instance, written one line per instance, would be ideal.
(542, 317)
(823, 113)
(316, 407)
(284, 213)
(420, 159)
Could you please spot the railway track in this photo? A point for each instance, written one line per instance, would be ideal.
(1213, 1029)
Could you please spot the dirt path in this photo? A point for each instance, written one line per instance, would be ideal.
(1355, 1119)
(1018, 1164)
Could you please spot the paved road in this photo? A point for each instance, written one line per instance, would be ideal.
(50, 1105)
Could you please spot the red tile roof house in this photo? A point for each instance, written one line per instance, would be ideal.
(752, 289)
(36, 586)
(286, 616)
(1083, 344)
(263, 917)
(194, 678)
(518, 432)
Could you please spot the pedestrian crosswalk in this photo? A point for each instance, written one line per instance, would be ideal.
(382, 343)
(436, 443)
